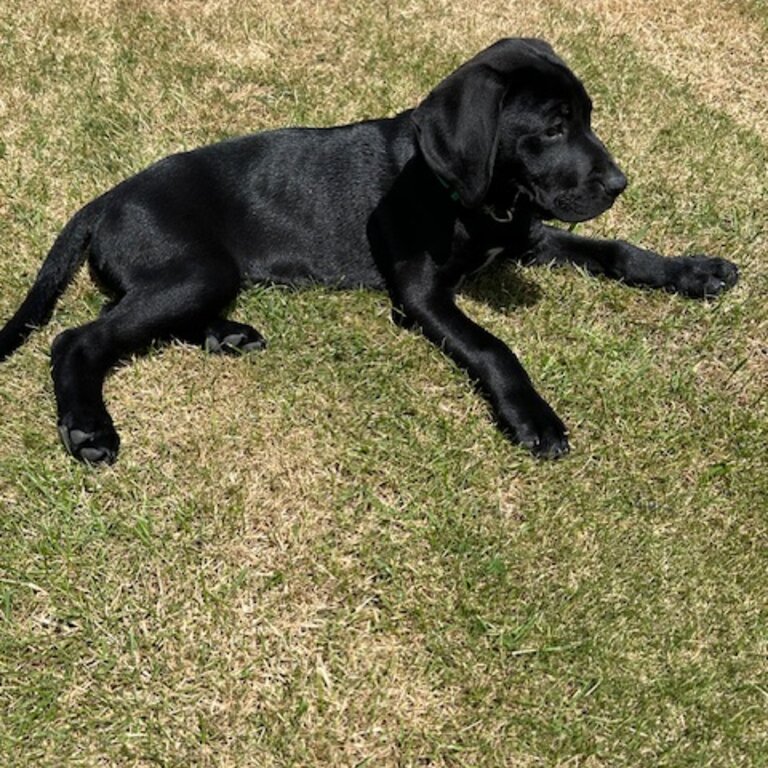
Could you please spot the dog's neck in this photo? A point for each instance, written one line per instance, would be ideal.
(500, 215)
(452, 192)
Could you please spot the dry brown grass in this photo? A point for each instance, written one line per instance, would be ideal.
(718, 49)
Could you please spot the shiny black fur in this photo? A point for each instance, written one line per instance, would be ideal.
(411, 205)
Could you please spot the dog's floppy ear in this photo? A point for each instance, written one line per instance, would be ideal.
(458, 122)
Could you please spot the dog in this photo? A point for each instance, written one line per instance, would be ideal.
(411, 204)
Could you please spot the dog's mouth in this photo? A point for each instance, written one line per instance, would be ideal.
(572, 206)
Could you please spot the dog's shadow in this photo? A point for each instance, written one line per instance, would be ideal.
(502, 288)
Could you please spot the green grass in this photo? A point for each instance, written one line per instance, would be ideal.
(324, 554)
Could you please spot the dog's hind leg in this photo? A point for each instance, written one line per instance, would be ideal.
(82, 357)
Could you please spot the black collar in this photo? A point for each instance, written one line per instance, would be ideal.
(504, 217)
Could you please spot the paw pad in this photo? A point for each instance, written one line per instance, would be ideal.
(97, 447)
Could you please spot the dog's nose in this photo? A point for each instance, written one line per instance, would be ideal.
(615, 182)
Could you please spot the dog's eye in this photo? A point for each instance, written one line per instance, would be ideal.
(556, 129)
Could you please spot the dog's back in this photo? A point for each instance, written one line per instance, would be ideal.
(289, 206)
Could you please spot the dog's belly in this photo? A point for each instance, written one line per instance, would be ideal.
(343, 268)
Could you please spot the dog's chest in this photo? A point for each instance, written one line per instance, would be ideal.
(485, 261)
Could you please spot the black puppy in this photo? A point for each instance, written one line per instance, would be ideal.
(411, 204)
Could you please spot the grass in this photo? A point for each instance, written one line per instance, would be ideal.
(324, 554)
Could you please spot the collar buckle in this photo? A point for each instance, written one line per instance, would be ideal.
(505, 218)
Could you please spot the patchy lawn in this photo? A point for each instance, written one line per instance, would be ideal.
(324, 554)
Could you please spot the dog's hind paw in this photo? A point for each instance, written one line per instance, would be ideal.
(97, 446)
(230, 338)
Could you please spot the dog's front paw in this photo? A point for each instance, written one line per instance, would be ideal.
(701, 277)
(537, 427)
(91, 444)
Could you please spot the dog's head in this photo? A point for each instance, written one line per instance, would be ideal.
(515, 119)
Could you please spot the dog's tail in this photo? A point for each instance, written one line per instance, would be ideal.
(57, 272)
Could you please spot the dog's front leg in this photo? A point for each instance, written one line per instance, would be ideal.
(695, 276)
(424, 300)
